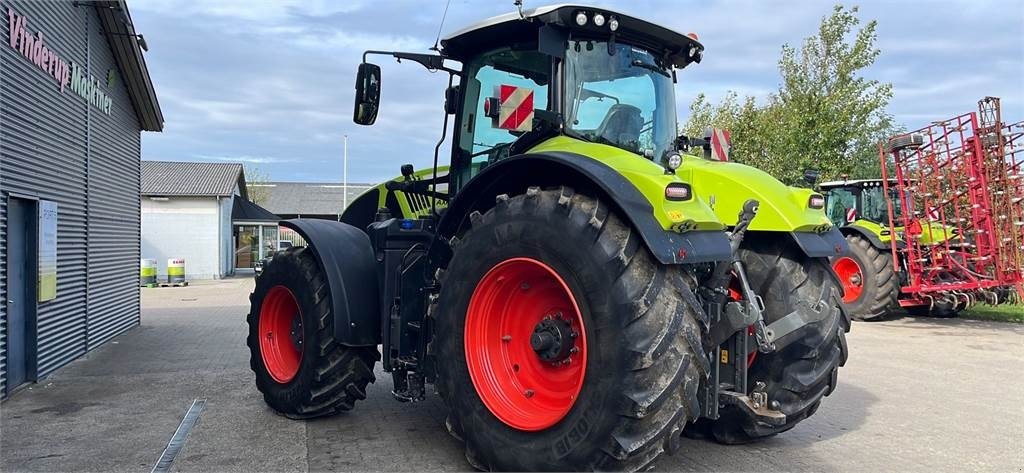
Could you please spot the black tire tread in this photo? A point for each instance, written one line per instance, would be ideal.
(879, 273)
(802, 373)
(663, 333)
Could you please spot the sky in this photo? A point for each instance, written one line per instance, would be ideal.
(270, 83)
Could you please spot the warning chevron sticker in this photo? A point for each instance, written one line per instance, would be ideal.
(515, 110)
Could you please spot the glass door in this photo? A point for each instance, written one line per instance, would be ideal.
(247, 246)
(270, 241)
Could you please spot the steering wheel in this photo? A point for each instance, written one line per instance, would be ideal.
(647, 126)
(494, 153)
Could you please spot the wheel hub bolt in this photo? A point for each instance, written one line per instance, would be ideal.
(528, 393)
(542, 341)
(552, 340)
(506, 338)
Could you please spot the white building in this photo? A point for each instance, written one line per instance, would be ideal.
(200, 212)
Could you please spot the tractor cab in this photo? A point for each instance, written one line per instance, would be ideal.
(590, 74)
(863, 199)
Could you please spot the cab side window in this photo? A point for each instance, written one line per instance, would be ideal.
(480, 141)
(839, 202)
(485, 135)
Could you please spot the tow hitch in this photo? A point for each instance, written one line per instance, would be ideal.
(735, 323)
(755, 405)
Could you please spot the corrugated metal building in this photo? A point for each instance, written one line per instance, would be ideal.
(74, 96)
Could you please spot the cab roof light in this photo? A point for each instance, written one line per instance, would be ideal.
(581, 18)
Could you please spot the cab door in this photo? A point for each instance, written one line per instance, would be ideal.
(841, 203)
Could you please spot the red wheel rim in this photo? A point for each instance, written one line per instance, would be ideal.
(511, 302)
(851, 276)
(280, 331)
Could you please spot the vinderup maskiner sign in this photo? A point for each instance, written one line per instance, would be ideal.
(38, 51)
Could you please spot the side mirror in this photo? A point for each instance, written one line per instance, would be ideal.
(367, 94)
(451, 100)
(811, 176)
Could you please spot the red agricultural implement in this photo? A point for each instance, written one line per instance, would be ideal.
(943, 228)
(961, 216)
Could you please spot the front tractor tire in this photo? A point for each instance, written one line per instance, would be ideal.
(300, 369)
(561, 344)
(800, 374)
(870, 285)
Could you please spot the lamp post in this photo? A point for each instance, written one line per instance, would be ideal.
(344, 179)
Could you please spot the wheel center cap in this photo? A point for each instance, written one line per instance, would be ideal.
(553, 339)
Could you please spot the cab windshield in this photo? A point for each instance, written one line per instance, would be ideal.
(625, 99)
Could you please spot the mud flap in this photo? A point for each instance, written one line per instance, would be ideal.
(346, 256)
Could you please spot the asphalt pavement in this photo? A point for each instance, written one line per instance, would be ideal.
(918, 394)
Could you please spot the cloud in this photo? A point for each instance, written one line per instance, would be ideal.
(271, 82)
(244, 159)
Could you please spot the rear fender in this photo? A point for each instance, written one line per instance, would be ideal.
(553, 168)
(346, 256)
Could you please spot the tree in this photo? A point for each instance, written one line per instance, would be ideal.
(255, 185)
(825, 115)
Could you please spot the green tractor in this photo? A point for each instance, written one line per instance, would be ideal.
(578, 291)
(872, 283)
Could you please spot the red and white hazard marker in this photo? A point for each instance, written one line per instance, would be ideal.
(515, 108)
(720, 144)
(851, 215)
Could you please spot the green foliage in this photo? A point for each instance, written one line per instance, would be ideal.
(1000, 313)
(254, 180)
(825, 115)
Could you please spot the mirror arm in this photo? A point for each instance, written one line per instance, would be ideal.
(432, 62)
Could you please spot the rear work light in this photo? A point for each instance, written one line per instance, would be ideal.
(816, 202)
(678, 192)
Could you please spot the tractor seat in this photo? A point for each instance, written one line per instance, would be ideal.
(622, 124)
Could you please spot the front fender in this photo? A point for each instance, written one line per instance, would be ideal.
(346, 256)
(821, 245)
(552, 168)
(867, 234)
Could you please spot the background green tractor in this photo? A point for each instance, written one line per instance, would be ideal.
(577, 291)
(869, 273)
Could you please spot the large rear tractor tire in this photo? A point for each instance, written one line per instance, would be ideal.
(561, 344)
(801, 374)
(870, 286)
(300, 369)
